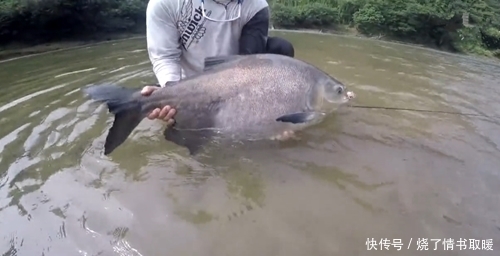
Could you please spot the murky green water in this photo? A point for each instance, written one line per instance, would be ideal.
(361, 174)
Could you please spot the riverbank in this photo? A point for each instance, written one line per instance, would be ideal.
(343, 30)
(16, 51)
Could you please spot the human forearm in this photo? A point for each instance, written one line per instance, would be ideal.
(162, 40)
(254, 34)
(166, 70)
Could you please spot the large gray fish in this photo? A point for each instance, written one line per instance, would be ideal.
(237, 97)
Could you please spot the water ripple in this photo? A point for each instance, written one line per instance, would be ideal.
(385, 173)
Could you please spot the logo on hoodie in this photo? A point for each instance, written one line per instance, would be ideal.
(191, 24)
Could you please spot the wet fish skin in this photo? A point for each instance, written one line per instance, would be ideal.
(237, 97)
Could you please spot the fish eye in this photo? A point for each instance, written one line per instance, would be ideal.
(340, 90)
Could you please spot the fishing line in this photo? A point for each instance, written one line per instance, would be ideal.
(422, 110)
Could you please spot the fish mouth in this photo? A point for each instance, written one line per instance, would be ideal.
(349, 95)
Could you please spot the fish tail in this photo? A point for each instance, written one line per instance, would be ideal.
(126, 108)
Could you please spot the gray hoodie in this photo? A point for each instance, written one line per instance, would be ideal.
(179, 38)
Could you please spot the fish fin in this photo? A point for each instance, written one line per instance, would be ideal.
(192, 140)
(211, 62)
(302, 117)
(123, 125)
(127, 111)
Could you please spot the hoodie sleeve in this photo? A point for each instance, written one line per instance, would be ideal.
(254, 34)
(163, 40)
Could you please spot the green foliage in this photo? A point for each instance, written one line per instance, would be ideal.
(491, 37)
(285, 16)
(347, 9)
(318, 15)
(313, 15)
(434, 22)
(43, 20)
(469, 40)
(369, 19)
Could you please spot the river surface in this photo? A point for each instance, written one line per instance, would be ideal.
(362, 174)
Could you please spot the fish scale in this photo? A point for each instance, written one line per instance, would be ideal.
(236, 97)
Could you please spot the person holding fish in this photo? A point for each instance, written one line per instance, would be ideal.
(182, 33)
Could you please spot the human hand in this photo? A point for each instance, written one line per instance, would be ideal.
(166, 114)
(286, 135)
